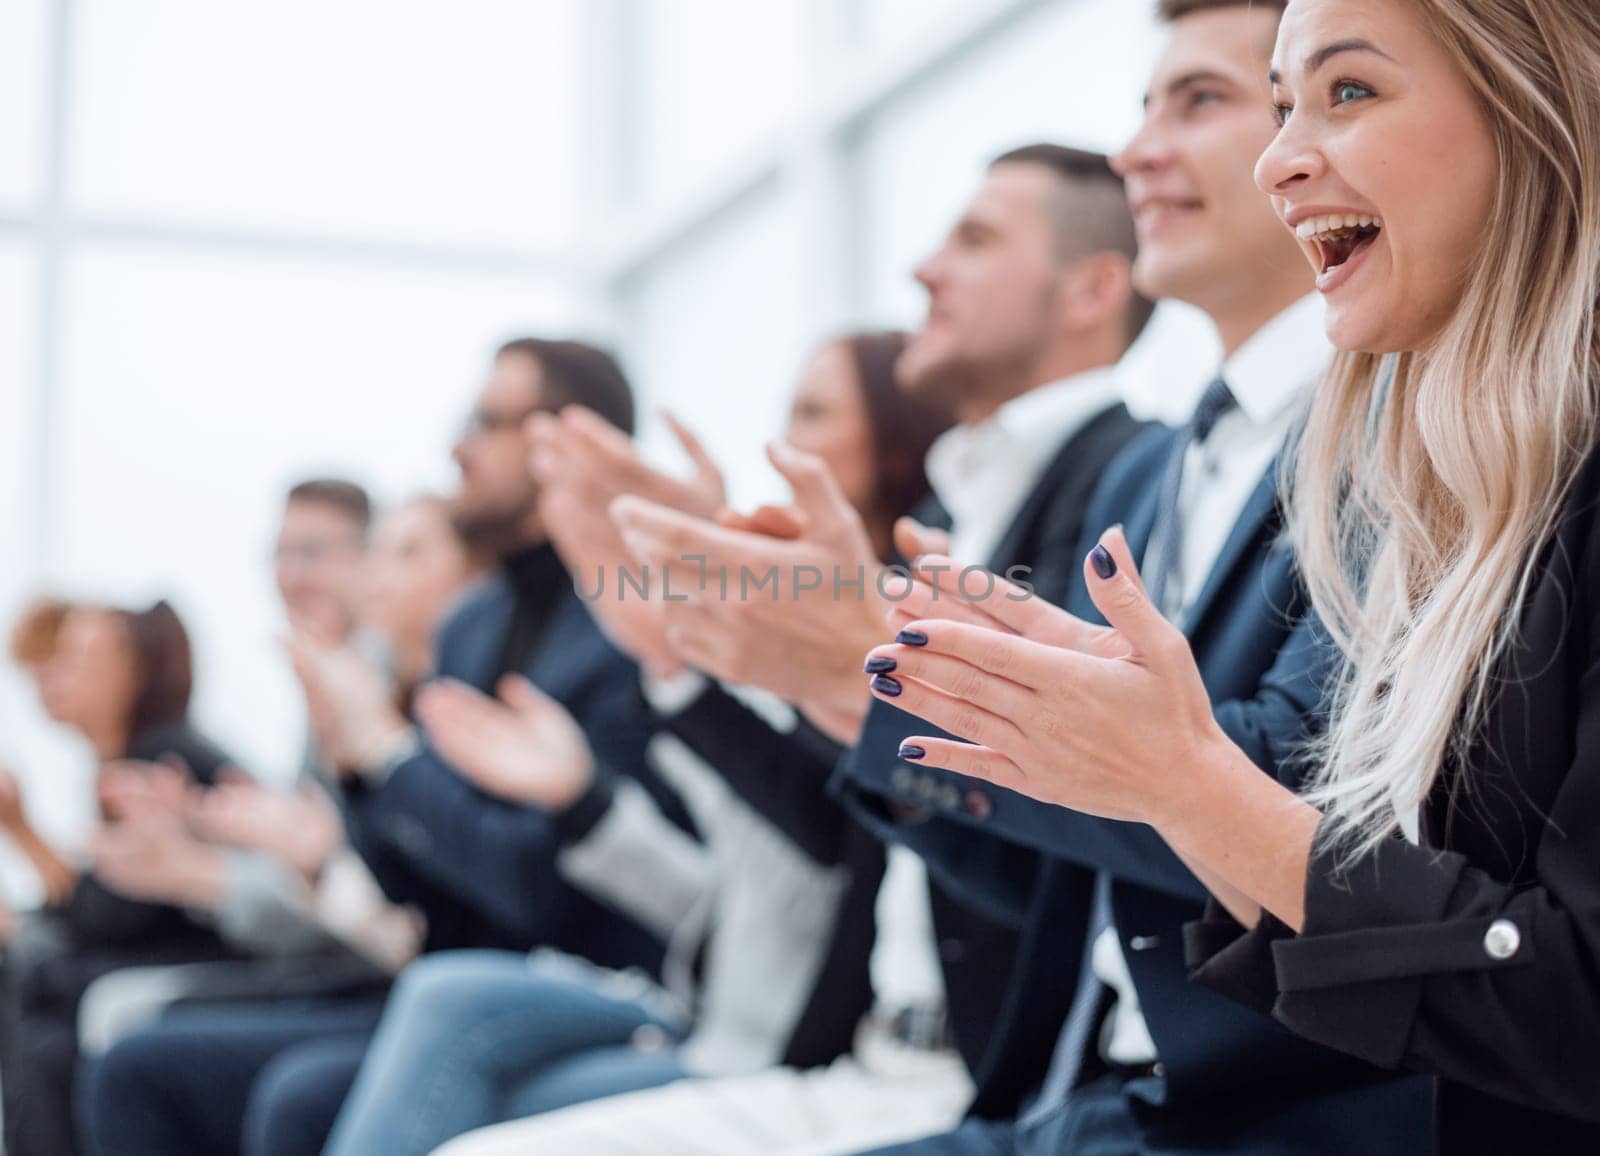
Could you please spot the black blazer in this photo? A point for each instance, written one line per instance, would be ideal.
(978, 946)
(1474, 958)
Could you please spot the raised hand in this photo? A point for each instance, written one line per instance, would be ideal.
(583, 464)
(705, 488)
(152, 856)
(301, 827)
(913, 539)
(522, 747)
(784, 522)
(146, 850)
(132, 789)
(1106, 723)
(349, 702)
(789, 611)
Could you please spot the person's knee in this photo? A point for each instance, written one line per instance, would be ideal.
(134, 1063)
(442, 988)
(134, 1075)
(294, 1102)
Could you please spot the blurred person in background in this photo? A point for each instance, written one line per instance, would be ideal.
(317, 559)
(479, 870)
(775, 899)
(317, 567)
(33, 641)
(418, 565)
(272, 868)
(122, 680)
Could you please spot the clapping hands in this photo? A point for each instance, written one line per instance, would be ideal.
(350, 705)
(302, 827)
(522, 747)
(1100, 719)
(583, 464)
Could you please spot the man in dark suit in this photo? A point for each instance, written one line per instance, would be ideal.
(1126, 1054)
(480, 871)
(422, 827)
(1030, 305)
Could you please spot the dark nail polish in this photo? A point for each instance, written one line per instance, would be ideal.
(880, 665)
(883, 684)
(1102, 561)
(911, 638)
(911, 752)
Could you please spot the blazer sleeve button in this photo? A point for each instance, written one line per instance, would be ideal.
(977, 804)
(1502, 940)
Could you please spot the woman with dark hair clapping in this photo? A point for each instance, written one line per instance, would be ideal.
(122, 679)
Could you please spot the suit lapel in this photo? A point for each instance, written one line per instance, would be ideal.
(1141, 523)
(1259, 515)
(1019, 543)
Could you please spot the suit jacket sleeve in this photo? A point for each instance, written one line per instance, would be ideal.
(915, 807)
(434, 841)
(1396, 963)
(1269, 726)
(782, 776)
(448, 922)
(495, 857)
(426, 823)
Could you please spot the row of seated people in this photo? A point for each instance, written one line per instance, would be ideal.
(727, 836)
(200, 883)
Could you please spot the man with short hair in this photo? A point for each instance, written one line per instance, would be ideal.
(322, 539)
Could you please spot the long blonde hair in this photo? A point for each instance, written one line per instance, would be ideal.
(1425, 485)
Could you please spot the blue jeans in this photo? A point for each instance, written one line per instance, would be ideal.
(473, 1038)
(262, 1080)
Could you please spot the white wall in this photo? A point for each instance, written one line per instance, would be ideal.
(241, 243)
(717, 333)
(430, 123)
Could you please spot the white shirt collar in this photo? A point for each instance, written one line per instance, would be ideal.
(983, 472)
(1030, 428)
(1052, 413)
(1272, 370)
